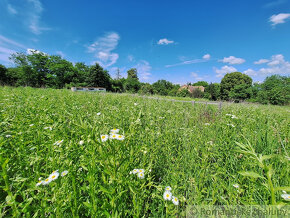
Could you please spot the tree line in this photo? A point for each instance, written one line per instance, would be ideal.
(41, 70)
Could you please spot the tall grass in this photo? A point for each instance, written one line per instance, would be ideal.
(193, 149)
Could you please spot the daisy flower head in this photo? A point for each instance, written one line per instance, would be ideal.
(114, 136)
(168, 188)
(141, 175)
(114, 131)
(104, 138)
(121, 137)
(98, 114)
(46, 181)
(167, 195)
(39, 183)
(286, 197)
(141, 171)
(236, 185)
(48, 127)
(207, 124)
(135, 171)
(135, 104)
(64, 173)
(58, 142)
(54, 175)
(175, 200)
(31, 124)
(81, 142)
(8, 136)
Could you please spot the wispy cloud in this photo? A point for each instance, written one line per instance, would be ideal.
(224, 70)
(144, 70)
(205, 58)
(131, 58)
(11, 9)
(274, 3)
(232, 60)
(7, 47)
(195, 76)
(34, 17)
(103, 47)
(279, 18)
(261, 61)
(164, 41)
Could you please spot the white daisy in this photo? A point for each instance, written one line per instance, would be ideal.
(48, 127)
(54, 175)
(236, 185)
(141, 175)
(104, 138)
(135, 104)
(207, 124)
(286, 197)
(121, 137)
(167, 195)
(234, 117)
(114, 131)
(98, 114)
(58, 142)
(175, 200)
(135, 171)
(114, 136)
(64, 173)
(81, 142)
(168, 188)
(8, 136)
(46, 181)
(141, 171)
(39, 183)
(31, 125)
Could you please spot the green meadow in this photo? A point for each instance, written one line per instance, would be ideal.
(235, 156)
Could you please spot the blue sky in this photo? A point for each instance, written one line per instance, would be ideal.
(180, 41)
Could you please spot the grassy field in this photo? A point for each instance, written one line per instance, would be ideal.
(208, 157)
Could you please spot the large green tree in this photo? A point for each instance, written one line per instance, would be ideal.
(98, 77)
(3, 75)
(162, 87)
(231, 80)
(213, 91)
(275, 90)
(132, 74)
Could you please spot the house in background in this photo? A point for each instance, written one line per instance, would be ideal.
(88, 89)
(192, 88)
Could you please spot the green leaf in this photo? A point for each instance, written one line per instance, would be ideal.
(266, 157)
(286, 188)
(250, 174)
(87, 204)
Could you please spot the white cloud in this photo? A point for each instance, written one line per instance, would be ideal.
(277, 65)
(274, 3)
(143, 70)
(103, 48)
(131, 58)
(60, 53)
(224, 70)
(233, 60)
(11, 9)
(164, 41)
(31, 51)
(34, 17)
(279, 18)
(250, 72)
(7, 47)
(206, 56)
(261, 61)
(195, 76)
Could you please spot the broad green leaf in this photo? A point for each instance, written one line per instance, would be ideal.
(250, 174)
